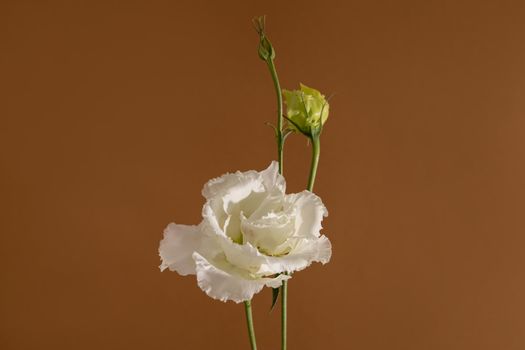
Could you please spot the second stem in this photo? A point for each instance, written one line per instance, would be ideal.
(316, 152)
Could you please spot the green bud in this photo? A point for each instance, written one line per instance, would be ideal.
(266, 51)
(306, 110)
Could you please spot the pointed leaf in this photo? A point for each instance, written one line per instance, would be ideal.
(275, 296)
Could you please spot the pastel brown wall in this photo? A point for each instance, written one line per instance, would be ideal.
(114, 114)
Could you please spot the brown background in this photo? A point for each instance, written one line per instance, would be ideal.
(114, 114)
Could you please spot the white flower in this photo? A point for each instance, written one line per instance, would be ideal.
(251, 234)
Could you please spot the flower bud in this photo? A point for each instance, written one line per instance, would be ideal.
(306, 110)
(266, 51)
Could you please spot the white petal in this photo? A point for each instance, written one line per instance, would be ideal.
(274, 202)
(269, 232)
(318, 250)
(310, 211)
(228, 196)
(212, 220)
(232, 228)
(235, 210)
(177, 247)
(243, 256)
(237, 185)
(224, 282)
(303, 255)
(272, 178)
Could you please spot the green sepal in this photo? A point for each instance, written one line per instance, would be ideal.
(275, 296)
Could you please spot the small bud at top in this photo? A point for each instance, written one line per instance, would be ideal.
(266, 51)
(306, 110)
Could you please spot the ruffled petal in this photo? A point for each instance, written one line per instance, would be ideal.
(272, 179)
(272, 203)
(177, 247)
(309, 211)
(236, 186)
(318, 250)
(305, 252)
(211, 220)
(232, 194)
(243, 256)
(224, 282)
(269, 232)
(302, 255)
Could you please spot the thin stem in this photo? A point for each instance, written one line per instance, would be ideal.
(280, 146)
(279, 131)
(284, 300)
(316, 152)
(249, 323)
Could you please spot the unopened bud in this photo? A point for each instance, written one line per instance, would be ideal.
(306, 109)
(266, 51)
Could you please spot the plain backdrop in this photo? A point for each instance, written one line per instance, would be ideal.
(115, 113)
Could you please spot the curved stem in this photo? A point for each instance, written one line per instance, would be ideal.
(279, 131)
(316, 152)
(249, 323)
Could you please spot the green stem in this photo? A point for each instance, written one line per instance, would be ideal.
(280, 146)
(249, 323)
(284, 300)
(316, 152)
(279, 131)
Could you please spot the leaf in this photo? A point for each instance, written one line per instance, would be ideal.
(275, 296)
(287, 132)
(272, 126)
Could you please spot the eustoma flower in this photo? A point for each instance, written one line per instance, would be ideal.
(252, 235)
